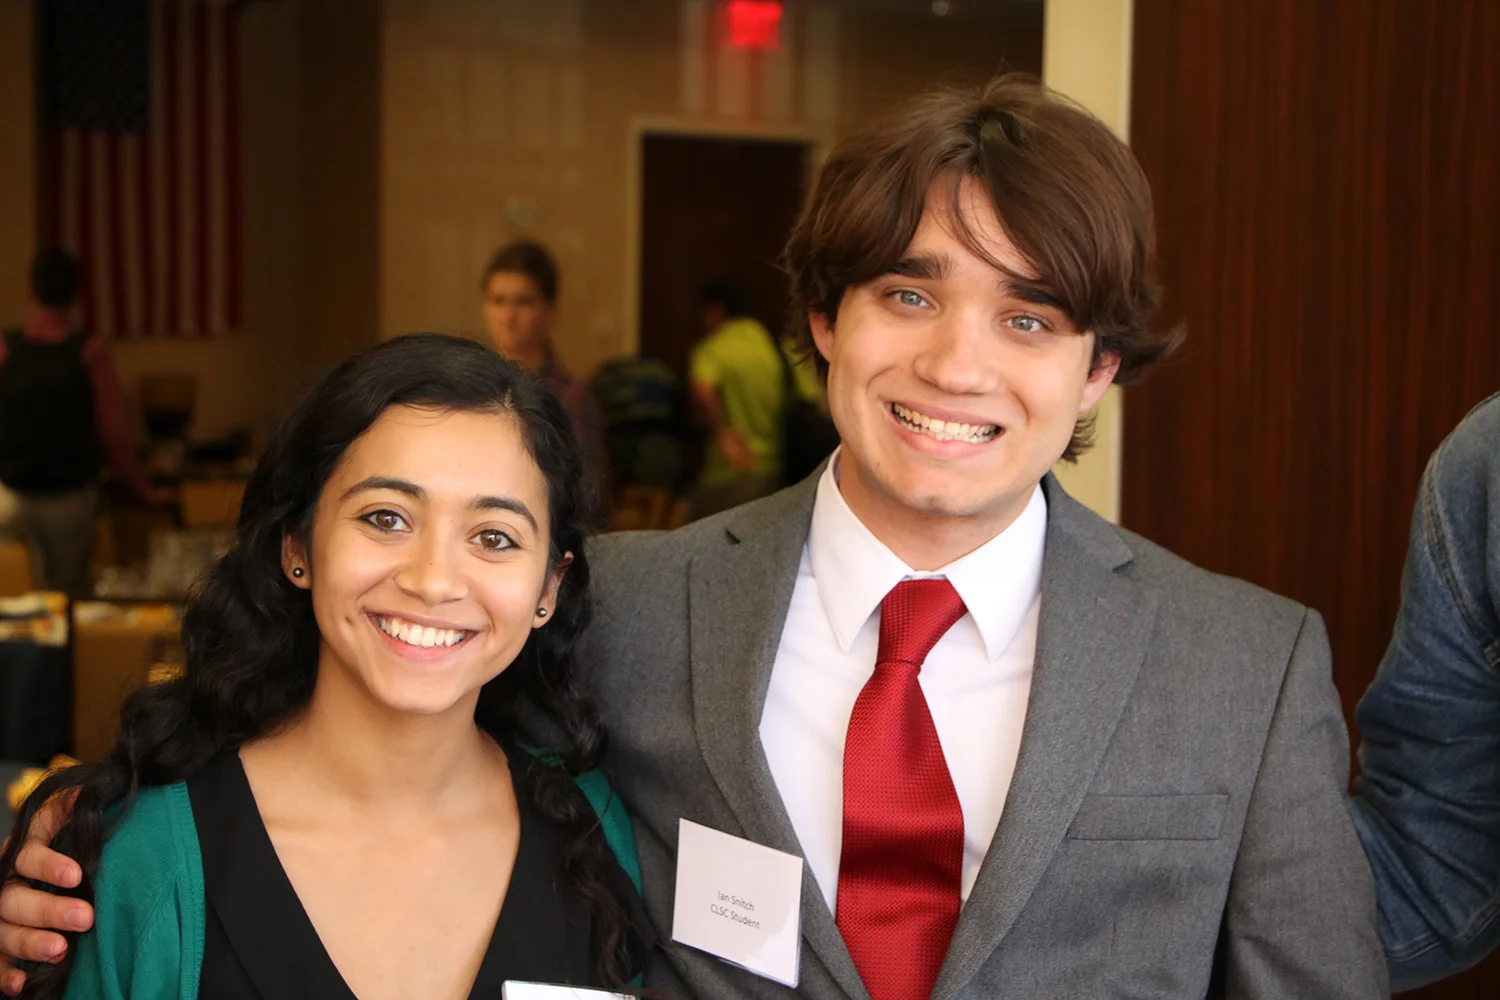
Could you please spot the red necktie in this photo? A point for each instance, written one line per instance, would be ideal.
(902, 864)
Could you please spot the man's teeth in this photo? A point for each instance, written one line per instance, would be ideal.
(420, 635)
(943, 430)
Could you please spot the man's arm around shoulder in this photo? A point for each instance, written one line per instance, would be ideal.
(1427, 802)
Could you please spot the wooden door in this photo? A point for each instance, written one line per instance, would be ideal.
(1327, 178)
(712, 208)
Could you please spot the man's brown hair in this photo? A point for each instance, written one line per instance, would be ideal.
(525, 257)
(1068, 193)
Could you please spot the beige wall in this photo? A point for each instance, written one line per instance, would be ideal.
(339, 139)
(17, 157)
(1087, 57)
(897, 54)
(508, 117)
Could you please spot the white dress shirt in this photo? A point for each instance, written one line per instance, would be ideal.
(977, 679)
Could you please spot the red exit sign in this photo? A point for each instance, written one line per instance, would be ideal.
(753, 24)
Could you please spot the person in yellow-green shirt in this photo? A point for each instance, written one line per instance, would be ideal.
(738, 386)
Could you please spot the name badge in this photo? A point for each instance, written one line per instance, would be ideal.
(739, 901)
(512, 990)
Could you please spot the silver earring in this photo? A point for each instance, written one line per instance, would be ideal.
(298, 572)
(541, 612)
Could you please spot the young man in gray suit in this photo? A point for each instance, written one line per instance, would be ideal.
(1023, 753)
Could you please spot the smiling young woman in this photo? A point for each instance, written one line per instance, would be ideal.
(339, 797)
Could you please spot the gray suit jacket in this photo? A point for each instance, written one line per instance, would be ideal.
(1176, 824)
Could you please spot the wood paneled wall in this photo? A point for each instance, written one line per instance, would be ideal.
(1327, 177)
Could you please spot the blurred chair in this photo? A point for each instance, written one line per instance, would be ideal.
(112, 656)
(207, 503)
(106, 553)
(15, 569)
(168, 400)
(132, 527)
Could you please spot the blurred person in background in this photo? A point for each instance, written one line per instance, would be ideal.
(61, 415)
(1427, 800)
(519, 288)
(738, 388)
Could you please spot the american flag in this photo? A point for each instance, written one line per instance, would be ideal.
(141, 161)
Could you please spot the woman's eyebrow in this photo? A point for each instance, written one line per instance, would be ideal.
(386, 483)
(507, 503)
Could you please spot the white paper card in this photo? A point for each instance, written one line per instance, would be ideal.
(739, 901)
(513, 990)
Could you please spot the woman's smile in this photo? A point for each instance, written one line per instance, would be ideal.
(418, 641)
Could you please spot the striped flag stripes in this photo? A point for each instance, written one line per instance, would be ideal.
(154, 213)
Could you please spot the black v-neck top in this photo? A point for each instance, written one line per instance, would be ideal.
(260, 944)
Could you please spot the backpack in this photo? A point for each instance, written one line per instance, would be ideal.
(642, 405)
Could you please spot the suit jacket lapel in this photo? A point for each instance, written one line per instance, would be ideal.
(1091, 639)
(738, 599)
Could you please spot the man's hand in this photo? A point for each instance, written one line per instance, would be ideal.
(29, 916)
(732, 443)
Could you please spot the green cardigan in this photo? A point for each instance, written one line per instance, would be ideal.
(147, 941)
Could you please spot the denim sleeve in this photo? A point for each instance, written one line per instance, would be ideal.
(1427, 803)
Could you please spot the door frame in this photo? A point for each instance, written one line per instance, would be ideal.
(815, 140)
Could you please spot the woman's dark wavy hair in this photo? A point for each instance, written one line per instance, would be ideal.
(251, 642)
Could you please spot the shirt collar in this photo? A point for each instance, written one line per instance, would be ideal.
(998, 581)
